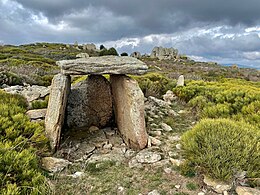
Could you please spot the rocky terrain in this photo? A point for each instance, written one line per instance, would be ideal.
(97, 159)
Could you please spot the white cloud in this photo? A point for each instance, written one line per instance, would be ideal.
(255, 55)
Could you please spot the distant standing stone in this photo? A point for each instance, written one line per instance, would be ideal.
(56, 108)
(180, 81)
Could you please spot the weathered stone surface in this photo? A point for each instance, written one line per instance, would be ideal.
(37, 114)
(103, 65)
(166, 127)
(180, 81)
(129, 110)
(54, 165)
(82, 55)
(90, 46)
(56, 108)
(31, 93)
(164, 53)
(136, 54)
(241, 190)
(218, 187)
(169, 97)
(148, 157)
(90, 103)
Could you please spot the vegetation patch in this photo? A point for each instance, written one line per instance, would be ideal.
(223, 147)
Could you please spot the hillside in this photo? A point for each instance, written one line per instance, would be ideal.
(207, 129)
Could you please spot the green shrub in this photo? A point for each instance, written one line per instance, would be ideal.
(154, 84)
(124, 54)
(39, 104)
(111, 51)
(222, 147)
(228, 98)
(19, 139)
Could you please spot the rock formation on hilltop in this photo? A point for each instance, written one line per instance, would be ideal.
(164, 53)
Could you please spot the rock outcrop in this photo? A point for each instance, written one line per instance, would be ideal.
(89, 46)
(90, 103)
(129, 110)
(56, 108)
(136, 54)
(164, 53)
(103, 65)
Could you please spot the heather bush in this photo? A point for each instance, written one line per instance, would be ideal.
(20, 140)
(223, 147)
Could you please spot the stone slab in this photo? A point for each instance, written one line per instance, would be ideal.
(56, 108)
(129, 111)
(103, 65)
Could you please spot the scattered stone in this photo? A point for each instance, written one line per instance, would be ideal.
(56, 108)
(178, 146)
(172, 113)
(157, 102)
(201, 193)
(121, 190)
(225, 193)
(37, 114)
(108, 146)
(180, 81)
(177, 186)
(129, 153)
(155, 133)
(167, 170)
(218, 187)
(166, 127)
(129, 111)
(103, 65)
(54, 165)
(90, 103)
(169, 96)
(175, 138)
(176, 162)
(240, 190)
(77, 174)
(133, 163)
(154, 192)
(82, 55)
(173, 154)
(148, 157)
(182, 112)
(149, 142)
(155, 141)
(93, 129)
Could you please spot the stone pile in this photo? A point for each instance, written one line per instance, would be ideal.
(91, 102)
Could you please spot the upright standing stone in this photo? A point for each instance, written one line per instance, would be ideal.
(56, 108)
(180, 81)
(129, 110)
(90, 103)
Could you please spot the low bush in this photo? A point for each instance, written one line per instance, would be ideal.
(223, 147)
(20, 140)
(154, 84)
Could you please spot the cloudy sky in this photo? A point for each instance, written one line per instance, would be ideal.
(226, 31)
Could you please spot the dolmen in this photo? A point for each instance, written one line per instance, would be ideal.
(95, 100)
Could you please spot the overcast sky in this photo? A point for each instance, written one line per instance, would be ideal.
(226, 31)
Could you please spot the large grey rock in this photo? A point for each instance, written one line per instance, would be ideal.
(164, 53)
(90, 103)
(103, 65)
(149, 157)
(56, 108)
(129, 110)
